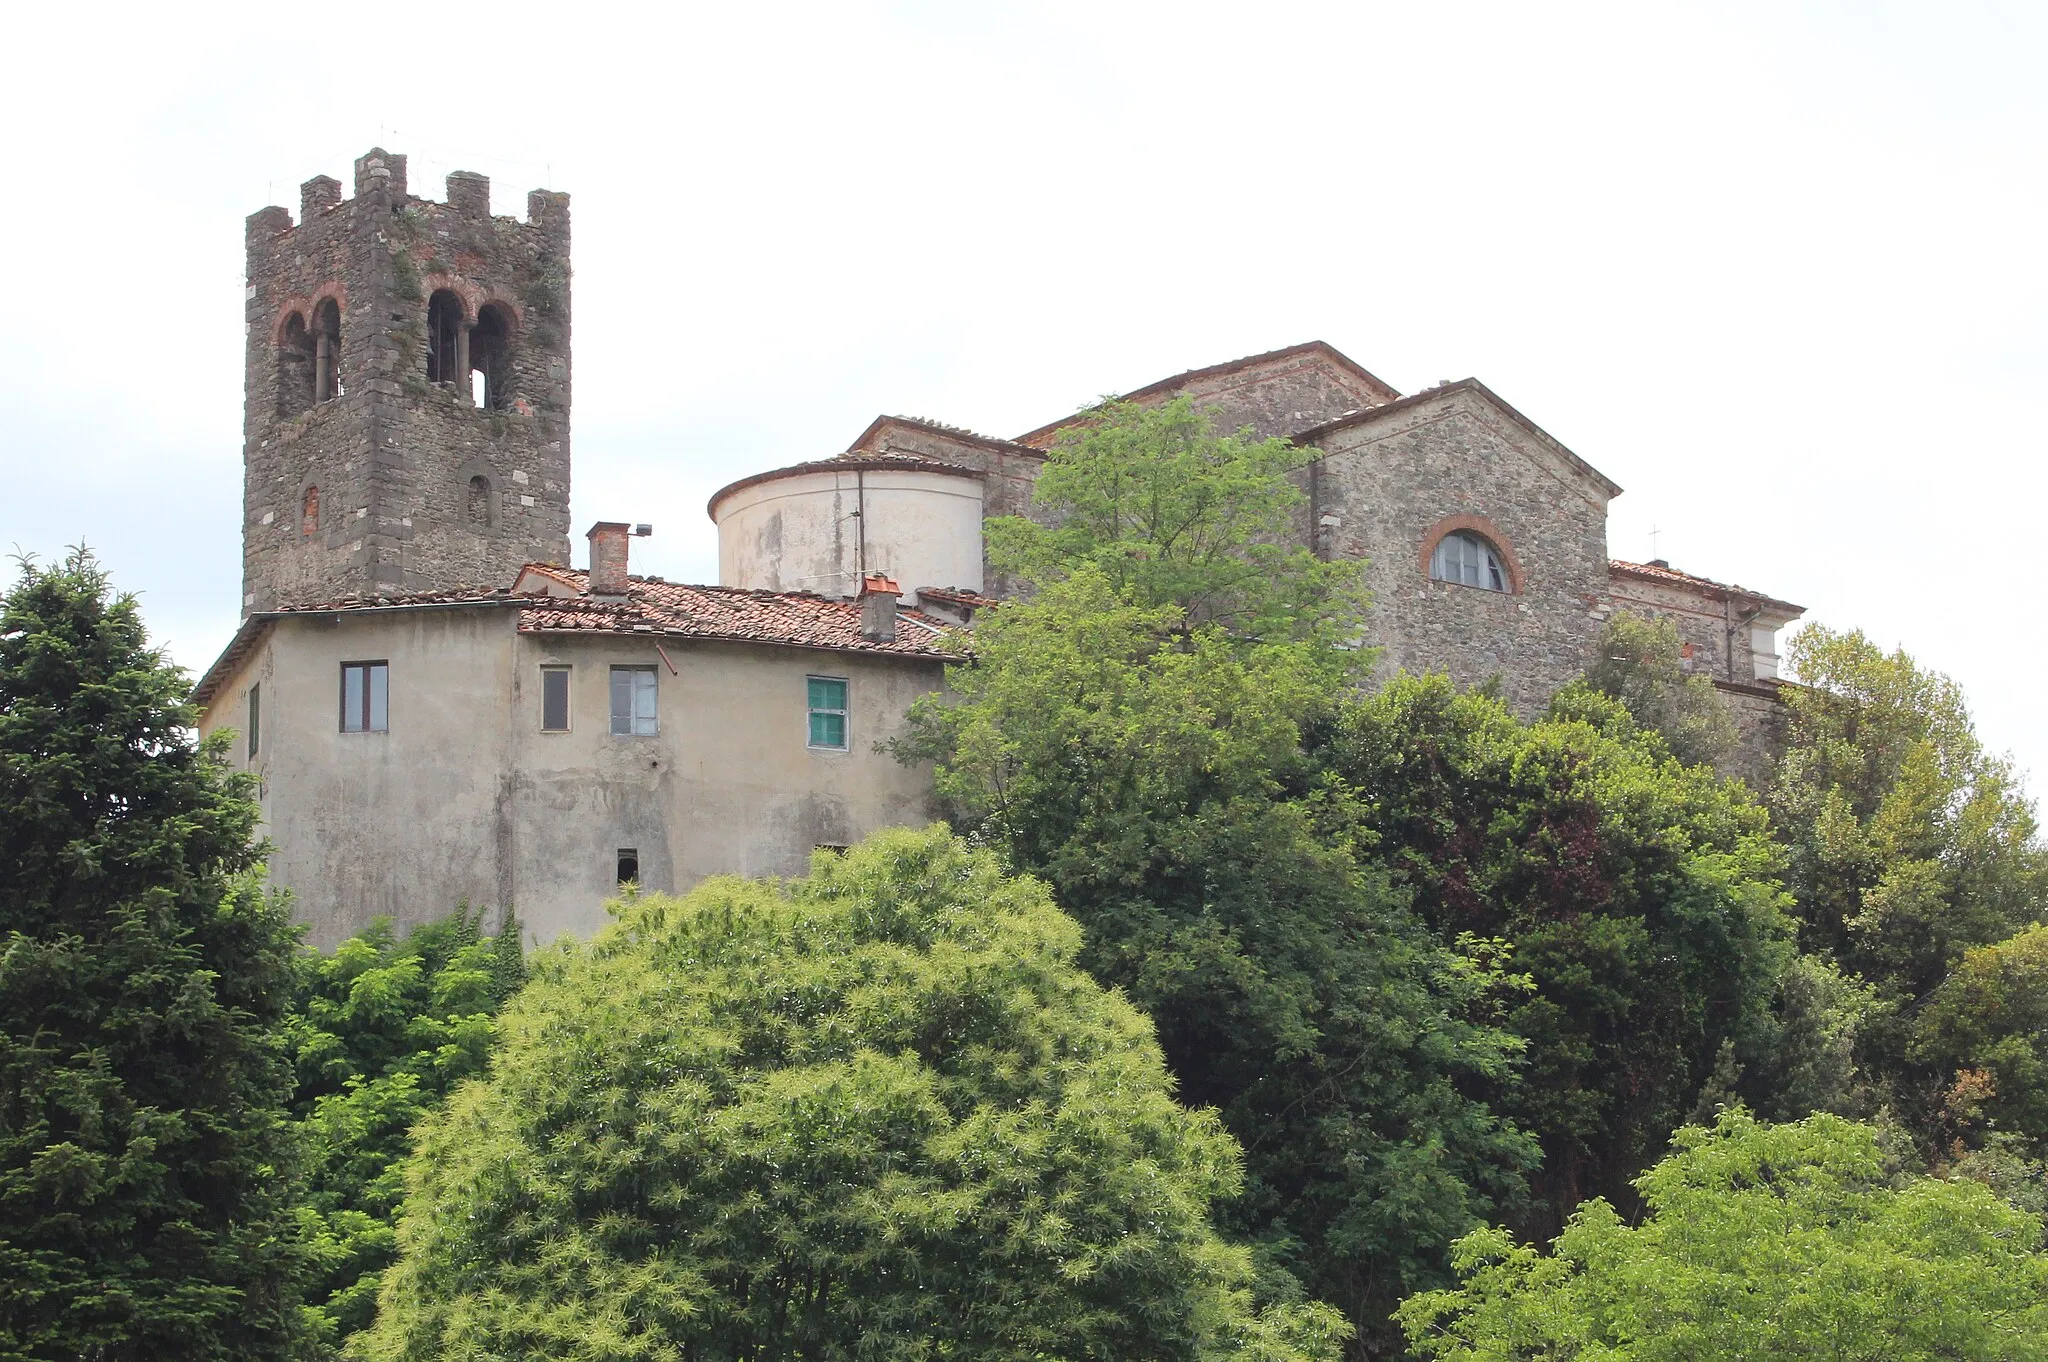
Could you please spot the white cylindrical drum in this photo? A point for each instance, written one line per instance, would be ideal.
(819, 526)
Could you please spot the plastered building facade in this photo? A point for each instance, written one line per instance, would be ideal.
(440, 710)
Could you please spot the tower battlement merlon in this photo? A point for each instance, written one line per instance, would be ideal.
(407, 389)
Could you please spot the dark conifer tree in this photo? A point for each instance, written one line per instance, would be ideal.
(145, 1211)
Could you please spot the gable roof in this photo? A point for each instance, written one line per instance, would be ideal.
(1321, 349)
(651, 607)
(1365, 415)
(859, 448)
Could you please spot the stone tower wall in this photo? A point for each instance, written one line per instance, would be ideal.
(393, 456)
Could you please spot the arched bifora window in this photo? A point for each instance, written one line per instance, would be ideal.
(1463, 557)
(490, 355)
(326, 351)
(479, 502)
(446, 362)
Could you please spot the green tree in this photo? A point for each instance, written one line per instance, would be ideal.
(1985, 1033)
(1170, 512)
(1909, 845)
(1638, 895)
(1133, 732)
(877, 1112)
(145, 1207)
(381, 1032)
(1638, 663)
(1759, 1242)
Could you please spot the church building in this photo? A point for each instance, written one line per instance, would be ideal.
(440, 709)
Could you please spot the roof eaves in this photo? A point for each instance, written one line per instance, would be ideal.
(1179, 380)
(1365, 415)
(845, 463)
(960, 433)
(1704, 585)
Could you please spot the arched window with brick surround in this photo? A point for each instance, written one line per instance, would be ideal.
(1469, 550)
(309, 512)
(479, 502)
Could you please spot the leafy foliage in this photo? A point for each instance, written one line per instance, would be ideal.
(1760, 1242)
(381, 1032)
(144, 1208)
(1169, 512)
(1637, 894)
(1909, 845)
(877, 1112)
(1638, 663)
(1985, 1029)
(1134, 732)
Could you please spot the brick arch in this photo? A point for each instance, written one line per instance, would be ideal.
(337, 291)
(302, 308)
(1485, 529)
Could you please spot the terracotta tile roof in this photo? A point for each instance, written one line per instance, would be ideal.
(956, 595)
(859, 448)
(846, 463)
(797, 619)
(652, 607)
(1706, 586)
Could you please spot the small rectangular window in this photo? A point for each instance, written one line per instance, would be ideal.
(828, 711)
(554, 699)
(255, 719)
(633, 712)
(365, 691)
(629, 865)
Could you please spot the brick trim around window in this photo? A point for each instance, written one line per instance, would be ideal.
(1485, 529)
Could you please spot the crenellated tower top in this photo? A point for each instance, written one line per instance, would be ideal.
(407, 389)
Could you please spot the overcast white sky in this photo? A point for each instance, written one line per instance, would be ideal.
(1776, 268)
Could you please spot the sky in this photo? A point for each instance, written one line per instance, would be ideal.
(1778, 268)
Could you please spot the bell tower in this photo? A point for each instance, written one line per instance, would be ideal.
(406, 390)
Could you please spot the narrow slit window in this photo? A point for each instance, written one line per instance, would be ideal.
(554, 699)
(629, 865)
(633, 702)
(255, 719)
(365, 696)
(827, 712)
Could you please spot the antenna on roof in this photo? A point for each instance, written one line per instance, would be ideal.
(1654, 532)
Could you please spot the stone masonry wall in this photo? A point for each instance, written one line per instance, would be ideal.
(1386, 483)
(1720, 647)
(391, 454)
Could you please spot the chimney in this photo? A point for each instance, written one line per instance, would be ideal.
(608, 542)
(878, 608)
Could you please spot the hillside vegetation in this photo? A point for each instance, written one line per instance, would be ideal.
(1240, 1008)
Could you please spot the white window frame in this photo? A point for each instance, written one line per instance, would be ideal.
(1464, 558)
(639, 724)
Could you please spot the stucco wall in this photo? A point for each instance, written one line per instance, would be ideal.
(464, 798)
(1387, 482)
(800, 532)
